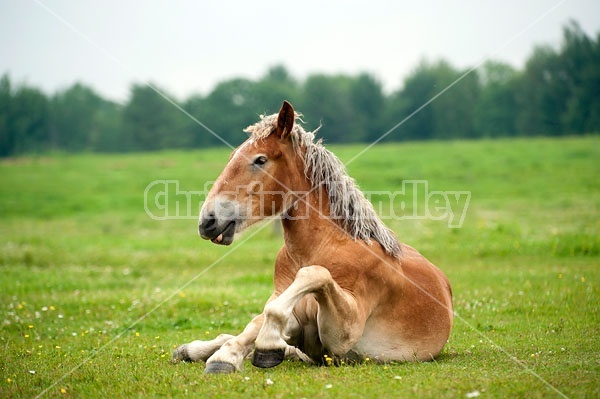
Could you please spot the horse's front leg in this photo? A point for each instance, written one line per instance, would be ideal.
(339, 319)
(199, 350)
(225, 353)
(229, 357)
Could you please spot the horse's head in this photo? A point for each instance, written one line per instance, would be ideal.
(256, 182)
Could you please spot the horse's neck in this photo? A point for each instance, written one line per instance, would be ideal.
(308, 229)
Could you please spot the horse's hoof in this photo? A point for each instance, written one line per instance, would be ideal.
(181, 355)
(219, 368)
(268, 358)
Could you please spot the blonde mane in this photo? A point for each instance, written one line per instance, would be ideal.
(348, 205)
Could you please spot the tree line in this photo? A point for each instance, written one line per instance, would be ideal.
(556, 93)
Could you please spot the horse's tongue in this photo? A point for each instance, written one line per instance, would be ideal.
(218, 239)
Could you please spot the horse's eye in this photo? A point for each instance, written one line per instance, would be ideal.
(260, 160)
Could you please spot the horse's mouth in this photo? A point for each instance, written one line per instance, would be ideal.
(226, 236)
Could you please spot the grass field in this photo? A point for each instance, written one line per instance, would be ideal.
(95, 294)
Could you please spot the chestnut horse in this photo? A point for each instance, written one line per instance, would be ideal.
(345, 289)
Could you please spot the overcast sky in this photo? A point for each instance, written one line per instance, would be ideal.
(188, 46)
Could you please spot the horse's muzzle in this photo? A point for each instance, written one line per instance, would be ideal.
(217, 234)
(218, 222)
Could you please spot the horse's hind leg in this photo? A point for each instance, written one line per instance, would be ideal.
(339, 318)
(200, 350)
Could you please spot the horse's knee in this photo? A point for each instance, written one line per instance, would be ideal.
(308, 279)
(317, 275)
(223, 337)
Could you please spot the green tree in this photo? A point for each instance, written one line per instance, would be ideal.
(227, 110)
(234, 104)
(328, 98)
(541, 94)
(106, 133)
(274, 87)
(73, 113)
(449, 115)
(150, 122)
(367, 101)
(6, 135)
(200, 136)
(24, 119)
(417, 90)
(496, 107)
(454, 110)
(580, 56)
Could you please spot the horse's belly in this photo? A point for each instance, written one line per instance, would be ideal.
(381, 346)
(383, 349)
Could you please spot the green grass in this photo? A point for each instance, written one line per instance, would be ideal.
(89, 289)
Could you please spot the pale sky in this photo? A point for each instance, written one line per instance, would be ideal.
(187, 47)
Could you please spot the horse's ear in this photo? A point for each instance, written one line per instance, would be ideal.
(285, 120)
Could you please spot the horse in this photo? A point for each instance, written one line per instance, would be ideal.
(345, 288)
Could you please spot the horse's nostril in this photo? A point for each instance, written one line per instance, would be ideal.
(209, 220)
